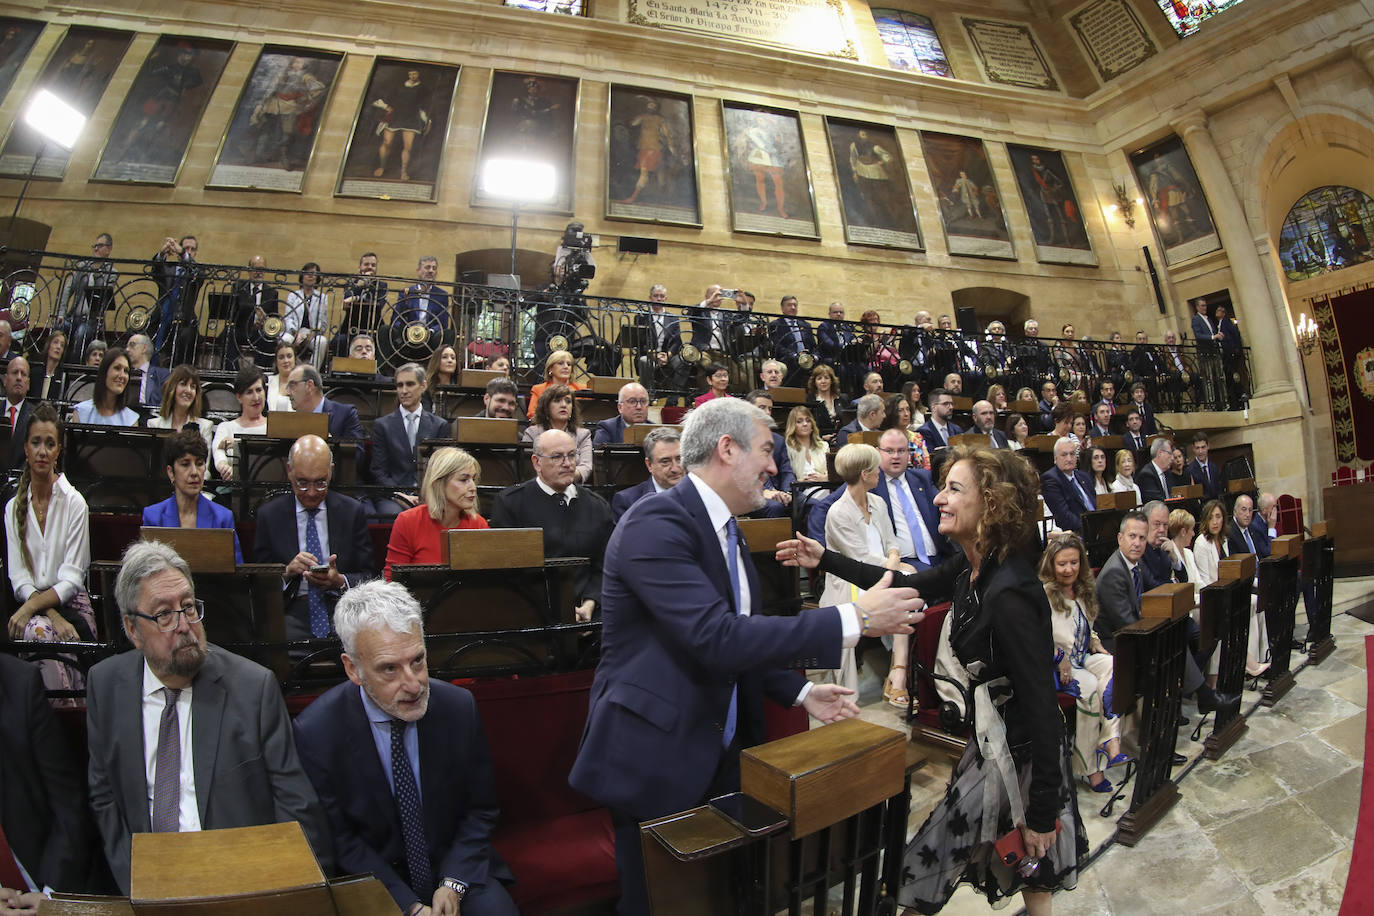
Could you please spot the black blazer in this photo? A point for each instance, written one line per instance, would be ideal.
(339, 755)
(672, 333)
(1210, 477)
(21, 420)
(624, 499)
(1147, 478)
(393, 460)
(277, 541)
(42, 784)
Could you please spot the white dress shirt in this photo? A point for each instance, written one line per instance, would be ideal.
(61, 552)
(570, 493)
(154, 701)
(905, 541)
(321, 525)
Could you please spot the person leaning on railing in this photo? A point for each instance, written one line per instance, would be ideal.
(449, 501)
(251, 391)
(48, 545)
(106, 405)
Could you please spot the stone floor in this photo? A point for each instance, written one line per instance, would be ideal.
(1266, 829)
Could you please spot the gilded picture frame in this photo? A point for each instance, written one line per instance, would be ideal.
(767, 171)
(651, 157)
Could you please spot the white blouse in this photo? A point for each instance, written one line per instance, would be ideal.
(807, 461)
(1125, 485)
(61, 554)
(219, 449)
(276, 394)
(206, 426)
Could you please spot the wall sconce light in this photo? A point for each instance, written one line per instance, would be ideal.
(1125, 205)
(1305, 334)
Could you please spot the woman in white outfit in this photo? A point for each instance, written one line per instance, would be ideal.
(1208, 552)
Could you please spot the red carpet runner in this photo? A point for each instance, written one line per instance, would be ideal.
(1359, 885)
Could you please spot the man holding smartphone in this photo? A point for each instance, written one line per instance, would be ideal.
(319, 535)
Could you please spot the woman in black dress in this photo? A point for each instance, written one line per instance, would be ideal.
(1017, 764)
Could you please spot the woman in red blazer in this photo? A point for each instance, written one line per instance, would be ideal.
(718, 377)
(450, 501)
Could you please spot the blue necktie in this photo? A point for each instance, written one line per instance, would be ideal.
(918, 542)
(1135, 579)
(1164, 483)
(1248, 541)
(732, 550)
(1082, 492)
(319, 613)
(797, 333)
(412, 819)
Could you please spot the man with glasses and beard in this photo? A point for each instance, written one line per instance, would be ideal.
(184, 736)
(319, 535)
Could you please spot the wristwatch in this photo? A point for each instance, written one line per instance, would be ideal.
(457, 887)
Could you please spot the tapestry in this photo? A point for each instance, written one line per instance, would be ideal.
(1347, 342)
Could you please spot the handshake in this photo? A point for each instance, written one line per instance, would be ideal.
(882, 610)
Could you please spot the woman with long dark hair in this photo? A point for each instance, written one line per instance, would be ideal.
(106, 406)
(181, 404)
(557, 409)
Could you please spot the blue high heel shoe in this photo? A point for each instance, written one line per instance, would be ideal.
(1116, 761)
(1103, 787)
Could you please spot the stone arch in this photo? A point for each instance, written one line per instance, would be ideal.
(1317, 150)
(989, 302)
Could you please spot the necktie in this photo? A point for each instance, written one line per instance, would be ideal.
(411, 420)
(319, 614)
(797, 333)
(918, 542)
(1164, 483)
(412, 818)
(13, 410)
(1087, 501)
(1249, 542)
(561, 499)
(167, 779)
(257, 294)
(732, 551)
(1135, 581)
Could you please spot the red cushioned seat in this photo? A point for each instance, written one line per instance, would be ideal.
(560, 862)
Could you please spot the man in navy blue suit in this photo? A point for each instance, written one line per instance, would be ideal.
(422, 300)
(395, 437)
(790, 336)
(686, 658)
(309, 527)
(777, 489)
(1242, 534)
(1154, 478)
(663, 457)
(937, 429)
(401, 765)
(868, 417)
(305, 388)
(632, 408)
(1068, 492)
(146, 378)
(985, 423)
(1203, 471)
(910, 496)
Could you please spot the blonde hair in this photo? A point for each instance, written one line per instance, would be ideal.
(557, 356)
(1085, 586)
(443, 464)
(853, 460)
(1121, 456)
(1179, 520)
(790, 436)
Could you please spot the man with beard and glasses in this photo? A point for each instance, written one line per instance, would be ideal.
(184, 736)
(394, 742)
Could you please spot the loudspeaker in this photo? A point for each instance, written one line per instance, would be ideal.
(1154, 278)
(474, 277)
(967, 322)
(633, 244)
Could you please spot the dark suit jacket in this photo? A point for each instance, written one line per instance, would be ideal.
(343, 420)
(842, 435)
(785, 476)
(1136, 442)
(672, 333)
(1202, 334)
(820, 510)
(624, 499)
(21, 422)
(579, 530)
(392, 462)
(784, 340)
(152, 393)
(1156, 569)
(1210, 478)
(923, 489)
(208, 515)
(247, 772)
(433, 303)
(933, 437)
(673, 650)
(1063, 500)
(834, 336)
(460, 807)
(1117, 604)
(187, 284)
(42, 792)
(1147, 478)
(245, 303)
(1235, 540)
(278, 542)
(610, 432)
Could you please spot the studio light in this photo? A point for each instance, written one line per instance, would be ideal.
(55, 120)
(519, 181)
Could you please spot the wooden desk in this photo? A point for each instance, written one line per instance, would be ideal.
(1348, 510)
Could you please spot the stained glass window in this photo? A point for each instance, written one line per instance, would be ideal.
(564, 7)
(911, 43)
(1186, 16)
(1327, 229)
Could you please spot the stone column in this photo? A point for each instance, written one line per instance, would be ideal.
(1253, 304)
(1364, 53)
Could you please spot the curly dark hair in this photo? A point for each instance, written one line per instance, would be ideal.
(551, 394)
(1010, 490)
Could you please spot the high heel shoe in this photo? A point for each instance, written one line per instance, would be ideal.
(1116, 761)
(1104, 786)
(896, 696)
(1257, 671)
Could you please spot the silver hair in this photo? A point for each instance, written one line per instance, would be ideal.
(655, 436)
(773, 362)
(374, 604)
(717, 418)
(1159, 445)
(418, 369)
(656, 287)
(141, 560)
(868, 404)
(1062, 439)
(426, 259)
(1149, 508)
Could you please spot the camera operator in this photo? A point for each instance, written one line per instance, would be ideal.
(563, 311)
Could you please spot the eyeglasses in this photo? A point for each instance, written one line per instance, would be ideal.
(167, 621)
(305, 485)
(559, 457)
(636, 402)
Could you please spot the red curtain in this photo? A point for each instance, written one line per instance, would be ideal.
(1347, 342)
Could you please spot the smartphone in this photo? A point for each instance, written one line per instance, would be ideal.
(320, 570)
(1011, 848)
(749, 814)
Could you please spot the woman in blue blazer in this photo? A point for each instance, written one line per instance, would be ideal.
(185, 454)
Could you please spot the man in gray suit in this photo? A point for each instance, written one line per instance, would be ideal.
(1119, 587)
(224, 753)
